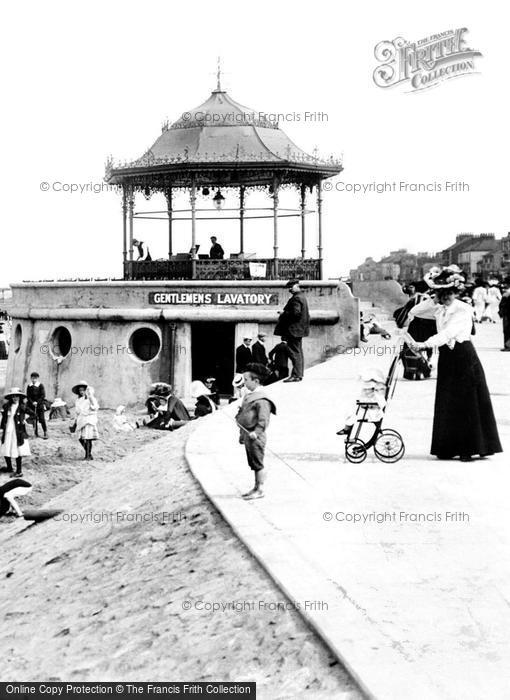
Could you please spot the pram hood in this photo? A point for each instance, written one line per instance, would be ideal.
(373, 374)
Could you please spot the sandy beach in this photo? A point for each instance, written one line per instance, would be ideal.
(157, 587)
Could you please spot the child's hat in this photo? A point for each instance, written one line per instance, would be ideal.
(75, 388)
(58, 403)
(15, 391)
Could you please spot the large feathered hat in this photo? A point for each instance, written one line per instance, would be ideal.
(449, 277)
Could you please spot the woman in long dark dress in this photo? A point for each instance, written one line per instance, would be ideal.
(464, 423)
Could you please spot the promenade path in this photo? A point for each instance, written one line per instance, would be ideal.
(413, 609)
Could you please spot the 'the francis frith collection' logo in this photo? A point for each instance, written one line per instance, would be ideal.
(424, 63)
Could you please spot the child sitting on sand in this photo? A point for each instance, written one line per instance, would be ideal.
(120, 421)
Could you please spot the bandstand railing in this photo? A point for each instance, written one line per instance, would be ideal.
(285, 268)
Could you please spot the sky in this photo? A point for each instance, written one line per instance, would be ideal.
(83, 81)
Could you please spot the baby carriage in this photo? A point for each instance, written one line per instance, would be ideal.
(387, 443)
(415, 363)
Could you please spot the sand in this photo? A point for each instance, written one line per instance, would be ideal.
(108, 600)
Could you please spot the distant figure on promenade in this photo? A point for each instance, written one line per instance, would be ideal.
(12, 489)
(86, 412)
(253, 421)
(504, 312)
(369, 326)
(493, 301)
(258, 350)
(422, 325)
(36, 397)
(13, 429)
(216, 252)
(243, 355)
(479, 298)
(204, 402)
(143, 250)
(464, 424)
(416, 294)
(279, 357)
(294, 324)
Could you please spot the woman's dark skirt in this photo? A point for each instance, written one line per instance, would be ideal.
(464, 423)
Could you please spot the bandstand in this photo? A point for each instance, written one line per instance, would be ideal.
(180, 317)
(222, 146)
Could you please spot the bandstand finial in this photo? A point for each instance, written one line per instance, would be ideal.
(218, 75)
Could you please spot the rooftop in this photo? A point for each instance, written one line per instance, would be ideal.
(222, 132)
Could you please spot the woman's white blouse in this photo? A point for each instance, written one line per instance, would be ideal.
(454, 324)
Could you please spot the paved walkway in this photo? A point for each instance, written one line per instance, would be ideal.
(414, 609)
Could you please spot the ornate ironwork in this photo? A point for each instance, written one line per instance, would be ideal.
(233, 269)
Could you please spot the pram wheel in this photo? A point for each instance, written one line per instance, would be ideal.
(355, 451)
(389, 446)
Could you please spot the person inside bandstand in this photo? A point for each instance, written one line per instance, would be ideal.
(216, 252)
(143, 250)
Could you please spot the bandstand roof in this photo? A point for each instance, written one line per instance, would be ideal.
(221, 142)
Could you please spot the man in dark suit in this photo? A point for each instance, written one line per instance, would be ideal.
(259, 351)
(216, 252)
(294, 324)
(279, 357)
(243, 355)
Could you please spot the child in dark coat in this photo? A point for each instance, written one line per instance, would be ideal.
(253, 420)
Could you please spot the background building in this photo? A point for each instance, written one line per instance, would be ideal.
(478, 255)
(399, 265)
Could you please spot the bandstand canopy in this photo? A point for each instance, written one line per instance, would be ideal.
(222, 143)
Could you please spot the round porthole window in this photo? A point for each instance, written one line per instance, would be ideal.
(145, 344)
(60, 341)
(18, 337)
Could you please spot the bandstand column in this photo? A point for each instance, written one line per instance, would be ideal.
(124, 226)
(303, 229)
(168, 195)
(241, 219)
(319, 226)
(275, 227)
(193, 200)
(131, 211)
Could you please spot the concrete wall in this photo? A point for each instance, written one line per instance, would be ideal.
(101, 318)
(387, 294)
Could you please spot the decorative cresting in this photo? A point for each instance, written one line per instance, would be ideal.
(221, 132)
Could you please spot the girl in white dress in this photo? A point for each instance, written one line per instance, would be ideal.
(13, 431)
(85, 425)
